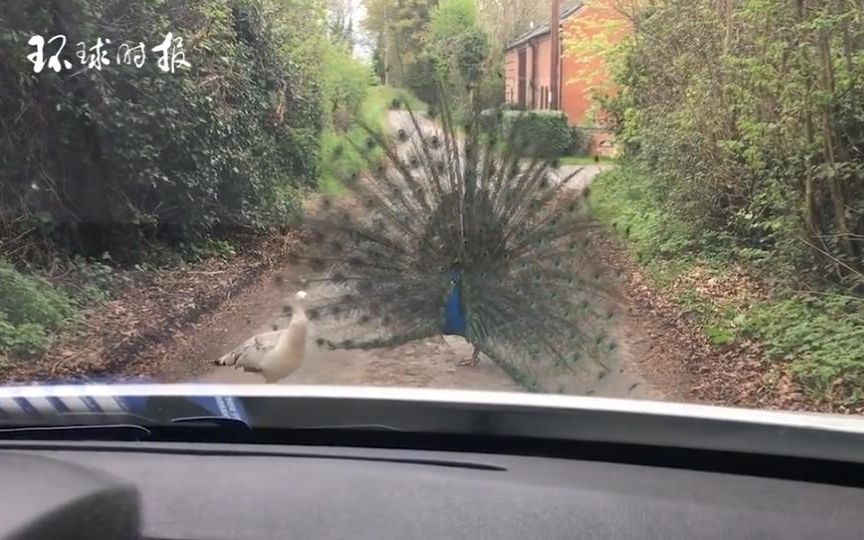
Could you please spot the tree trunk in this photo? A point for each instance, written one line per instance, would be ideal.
(830, 150)
(812, 217)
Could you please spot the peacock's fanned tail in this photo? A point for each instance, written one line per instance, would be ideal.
(439, 199)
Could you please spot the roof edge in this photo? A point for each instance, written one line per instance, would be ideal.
(543, 29)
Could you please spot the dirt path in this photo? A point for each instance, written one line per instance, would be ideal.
(432, 363)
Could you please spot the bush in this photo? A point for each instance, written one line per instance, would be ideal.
(341, 157)
(580, 141)
(30, 309)
(774, 177)
(512, 107)
(231, 140)
(541, 133)
(346, 84)
(630, 200)
(422, 79)
(490, 120)
(822, 337)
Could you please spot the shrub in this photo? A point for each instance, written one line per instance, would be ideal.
(512, 107)
(823, 338)
(30, 309)
(346, 82)
(771, 176)
(166, 156)
(580, 140)
(490, 120)
(541, 133)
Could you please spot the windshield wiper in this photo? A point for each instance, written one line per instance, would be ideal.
(214, 421)
(83, 432)
(124, 426)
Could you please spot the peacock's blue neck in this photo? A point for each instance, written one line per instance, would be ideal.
(455, 320)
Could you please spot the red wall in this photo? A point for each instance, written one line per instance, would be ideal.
(578, 76)
(537, 91)
(510, 76)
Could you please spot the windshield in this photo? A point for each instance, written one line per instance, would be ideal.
(647, 200)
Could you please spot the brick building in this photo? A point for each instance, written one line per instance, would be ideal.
(529, 64)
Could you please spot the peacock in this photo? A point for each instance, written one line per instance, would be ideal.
(461, 228)
(277, 354)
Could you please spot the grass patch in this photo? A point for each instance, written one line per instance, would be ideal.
(381, 99)
(821, 336)
(818, 334)
(31, 312)
(341, 159)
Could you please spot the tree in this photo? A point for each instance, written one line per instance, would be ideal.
(459, 48)
(401, 26)
(751, 113)
(504, 20)
(340, 21)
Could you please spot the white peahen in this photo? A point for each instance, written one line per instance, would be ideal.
(277, 354)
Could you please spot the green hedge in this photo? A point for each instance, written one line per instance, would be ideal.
(580, 142)
(542, 133)
(545, 134)
(110, 160)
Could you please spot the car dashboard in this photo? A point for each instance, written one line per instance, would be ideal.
(622, 471)
(231, 492)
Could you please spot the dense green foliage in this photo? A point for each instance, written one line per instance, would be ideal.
(751, 115)
(459, 50)
(580, 142)
(399, 28)
(542, 133)
(131, 164)
(820, 333)
(742, 127)
(539, 133)
(629, 199)
(101, 160)
(346, 82)
(346, 88)
(823, 338)
(30, 311)
(341, 150)
(425, 45)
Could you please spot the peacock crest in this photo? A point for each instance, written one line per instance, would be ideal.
(461, 230)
